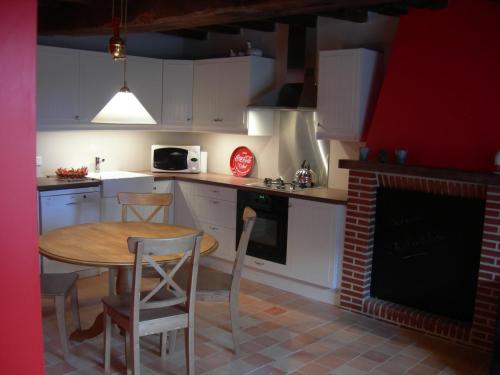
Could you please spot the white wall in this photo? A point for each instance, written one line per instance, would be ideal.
(130, 150)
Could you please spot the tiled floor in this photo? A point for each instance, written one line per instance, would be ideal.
(282, 333)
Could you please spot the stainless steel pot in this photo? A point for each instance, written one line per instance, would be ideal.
(305, 176)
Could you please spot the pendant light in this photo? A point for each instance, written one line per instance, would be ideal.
(124, 107)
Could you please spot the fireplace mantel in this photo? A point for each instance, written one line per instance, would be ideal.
(486, 178)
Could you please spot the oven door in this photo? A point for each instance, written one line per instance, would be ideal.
(269, 234)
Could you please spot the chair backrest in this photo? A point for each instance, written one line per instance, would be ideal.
(145, 248)
(159, 201)
(249, 217)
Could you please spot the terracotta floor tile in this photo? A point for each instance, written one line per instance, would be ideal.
(363, 364)
(376, 356)
(347, 370)
(330, 361)
(59, 369)
(303, 356)
(275, 310)
(267, 370)
(423, 370)
(257, 360)
(314, 369)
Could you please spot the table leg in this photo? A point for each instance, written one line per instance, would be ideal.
(123, 285)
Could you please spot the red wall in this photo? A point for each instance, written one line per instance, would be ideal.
(20, 312)
(441, 94)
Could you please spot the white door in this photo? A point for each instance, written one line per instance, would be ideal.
(205, 94)
(144, 80)
(57, 87)
(311, 245)
(233, 93)
(177, 93)
(100, 80)
(338, 95)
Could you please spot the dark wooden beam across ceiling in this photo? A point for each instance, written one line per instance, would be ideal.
(92, 17)
(352, 15)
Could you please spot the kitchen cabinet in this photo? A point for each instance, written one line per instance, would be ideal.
(348, 83)
(177, 106)
(57, 87)
(60, 208)
(161, 187)
(223, 88)
(315, 241)
(101, 77)
(210, 208)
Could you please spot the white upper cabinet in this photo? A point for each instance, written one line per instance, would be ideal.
(223, 88)
(177, 109)
(348, 84)
(57, 87)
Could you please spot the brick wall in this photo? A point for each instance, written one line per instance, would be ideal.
(358, 251)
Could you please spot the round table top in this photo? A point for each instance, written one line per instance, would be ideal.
(105, 243)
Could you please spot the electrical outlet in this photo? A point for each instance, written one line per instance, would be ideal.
(38, 161)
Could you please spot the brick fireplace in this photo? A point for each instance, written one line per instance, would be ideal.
(364, 179)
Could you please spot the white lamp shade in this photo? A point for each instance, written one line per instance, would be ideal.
(124, 108)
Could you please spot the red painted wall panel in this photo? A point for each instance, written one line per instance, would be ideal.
(21, 350)
(441, 94)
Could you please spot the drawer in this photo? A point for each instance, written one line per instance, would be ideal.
(216, 211)
(265, 265)
(214, 191)
(226, 238)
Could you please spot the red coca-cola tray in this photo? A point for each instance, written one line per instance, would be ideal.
(241, 161)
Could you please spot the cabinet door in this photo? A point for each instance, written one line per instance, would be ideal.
(233, 93)
(57, 87)
(311, 245)
(100, 80)
(177, 93)
(160, 187)
(338, 95)
(144, 80)
(216, 211)
(205, 94)
(226, 239)
(184, 209)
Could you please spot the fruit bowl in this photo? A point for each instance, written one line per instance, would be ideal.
(71, 172)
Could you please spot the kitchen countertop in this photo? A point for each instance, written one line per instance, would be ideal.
(326, 195)
(54, 183)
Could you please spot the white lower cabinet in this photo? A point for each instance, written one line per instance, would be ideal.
(195, 206)
(159, 187)
(315, 241)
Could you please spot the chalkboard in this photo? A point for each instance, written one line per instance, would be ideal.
(426, 251)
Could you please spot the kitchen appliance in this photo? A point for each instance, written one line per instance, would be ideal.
(60, 208)
(180, 159)
(278, 184)
(269, 234)
(305, 176)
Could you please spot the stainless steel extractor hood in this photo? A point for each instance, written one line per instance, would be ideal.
(293, 95)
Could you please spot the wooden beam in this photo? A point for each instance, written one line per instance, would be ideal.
(394, 10)
(352, 15)
(221, 29)
(266, 26)
(188, 34)
(157, 15)
(303, 20)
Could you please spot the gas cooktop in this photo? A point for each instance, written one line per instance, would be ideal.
(279, 184)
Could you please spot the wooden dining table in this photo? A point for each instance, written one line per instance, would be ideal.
(104, 244)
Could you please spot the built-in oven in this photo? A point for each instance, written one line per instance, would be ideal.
(268, 238)
(185, 159)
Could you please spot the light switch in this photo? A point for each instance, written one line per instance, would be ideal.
(38, 161)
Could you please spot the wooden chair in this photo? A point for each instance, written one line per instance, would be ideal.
(159, 310)
(216, 286)
(130, 201)
(59, 286)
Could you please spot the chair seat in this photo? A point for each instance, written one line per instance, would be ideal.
(57, 284)
(121, 304)
(212, 285)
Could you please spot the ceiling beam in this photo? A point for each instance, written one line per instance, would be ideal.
(221, 29)
(188, 34)
(266, 26)
(393, 10)
(304, 20)
(348, 14)
(157, 15)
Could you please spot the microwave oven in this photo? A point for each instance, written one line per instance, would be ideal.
(180, 159)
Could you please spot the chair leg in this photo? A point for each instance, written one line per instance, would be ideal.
(111, 281)
(163, 344)
(235, 323)
(172, 338)
(107, 340)
(61, 324)
(75, 309)
(136, 353)
(189, 347)
(128, 350)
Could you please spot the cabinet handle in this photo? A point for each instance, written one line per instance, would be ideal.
(215, 202)
(215, 191)
(259, 263)
(77, 117)
(320, 126)
(154, 187)
(72, 203)
(213, 228)
(188, 119)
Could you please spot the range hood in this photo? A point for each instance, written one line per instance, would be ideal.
(299, 92)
